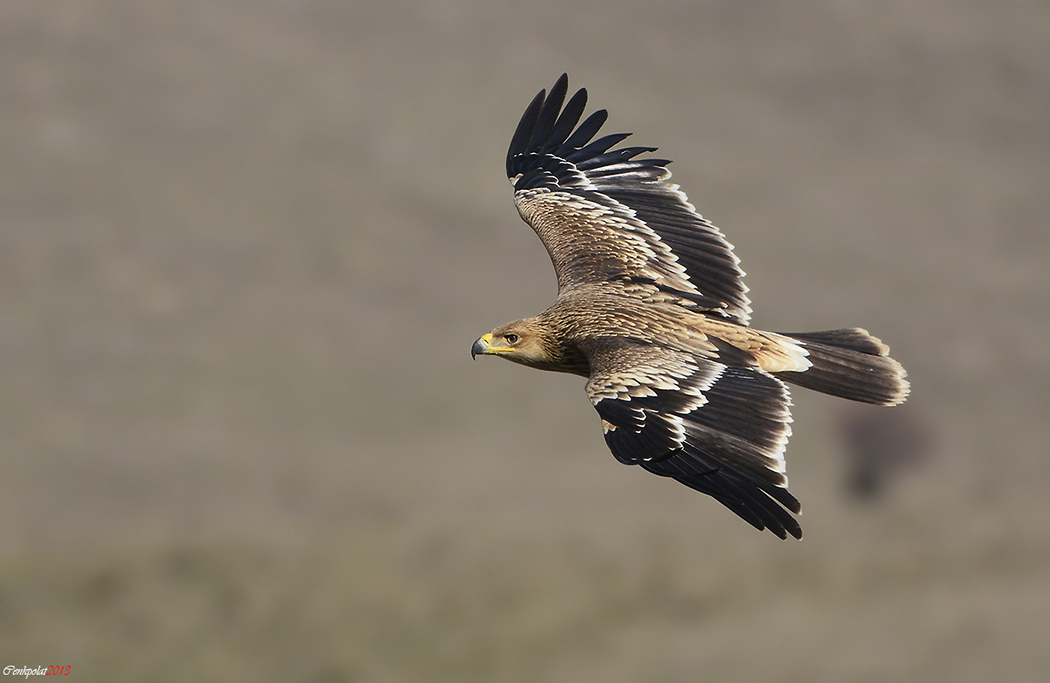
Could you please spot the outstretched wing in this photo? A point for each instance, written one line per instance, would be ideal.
(606, 216)
(718, 429)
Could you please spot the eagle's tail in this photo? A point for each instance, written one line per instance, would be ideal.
(851, 364)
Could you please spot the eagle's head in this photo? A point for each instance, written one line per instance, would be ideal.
(535, 342)
(522, 341)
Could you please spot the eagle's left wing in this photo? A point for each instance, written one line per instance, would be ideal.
(718, 429)
(609, 218)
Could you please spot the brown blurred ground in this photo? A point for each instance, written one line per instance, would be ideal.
(245, 247)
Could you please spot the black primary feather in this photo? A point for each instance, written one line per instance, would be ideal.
(548, 114)
(520, 141)
(570, 116)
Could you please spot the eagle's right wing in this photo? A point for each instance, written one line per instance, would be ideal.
(607, 217)
(718, 429)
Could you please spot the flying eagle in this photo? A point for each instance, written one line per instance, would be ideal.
(653, 311)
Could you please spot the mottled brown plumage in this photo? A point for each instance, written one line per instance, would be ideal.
(652, 309)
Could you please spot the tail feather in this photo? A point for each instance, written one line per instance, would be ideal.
(852, 364)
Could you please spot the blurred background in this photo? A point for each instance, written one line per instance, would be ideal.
(245, 248)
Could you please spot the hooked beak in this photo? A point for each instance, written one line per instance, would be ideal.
(481, 346)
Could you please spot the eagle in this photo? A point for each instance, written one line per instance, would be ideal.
(652, 309)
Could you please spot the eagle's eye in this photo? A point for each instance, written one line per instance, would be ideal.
(511, 338)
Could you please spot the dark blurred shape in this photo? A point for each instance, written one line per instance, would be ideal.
(881, 446)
